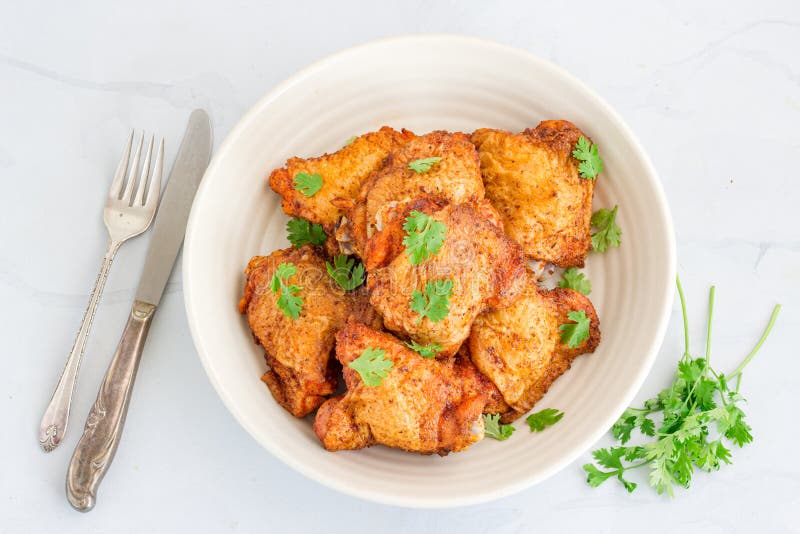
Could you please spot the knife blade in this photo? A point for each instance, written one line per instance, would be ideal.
(103, 431)
(173, 213)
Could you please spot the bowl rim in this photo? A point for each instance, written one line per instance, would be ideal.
(410, 501)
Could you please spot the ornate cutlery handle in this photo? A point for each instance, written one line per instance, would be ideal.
(54, 421)
(103, 430)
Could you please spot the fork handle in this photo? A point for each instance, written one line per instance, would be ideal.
(96, 448)
(56, 416)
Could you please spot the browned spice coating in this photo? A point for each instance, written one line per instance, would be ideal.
(423, 405)
(533, 181)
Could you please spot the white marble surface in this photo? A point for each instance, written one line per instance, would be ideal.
(713, 91)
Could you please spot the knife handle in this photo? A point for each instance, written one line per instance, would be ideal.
(103, 430)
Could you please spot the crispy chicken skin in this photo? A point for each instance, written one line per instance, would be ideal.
(422, 405)
(519, 347)
(302, 372)
(532, 179)
(456, 178)
(342, 173)
(483, 263)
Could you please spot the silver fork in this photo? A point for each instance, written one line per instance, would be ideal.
(126, 215)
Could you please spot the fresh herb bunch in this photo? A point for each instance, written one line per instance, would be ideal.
(699, 413)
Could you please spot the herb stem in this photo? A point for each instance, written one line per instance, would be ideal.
(738, 371)
(642, 464)
(710, 318)
(685, 318)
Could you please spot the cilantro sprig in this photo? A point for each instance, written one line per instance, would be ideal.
(591, 164)
(346, 272)
(307, 184)
(576, 332)
(700, 416)
(434, 302)
(493, 428)
(574, 279)
(372, 366)
(424, 236)
(608, 233)
(288, 301)
(423, 165)
(543, 419)
(426, 351)
(301, 232)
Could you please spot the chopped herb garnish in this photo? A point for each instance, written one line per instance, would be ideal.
(424, 236)
(288, 301)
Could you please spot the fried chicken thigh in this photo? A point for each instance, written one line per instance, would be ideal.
(302, 372)
(422, 405)
(519, 347)
(533, 181)
(480, 260)
(456, 178)
(342, 174)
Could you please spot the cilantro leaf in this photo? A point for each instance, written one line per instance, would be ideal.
(495, 429)
(698, 400)
(288, 301)
(608, 233)
(372, 366)
(424, 236)
(610, 458)
(575, 333)
(350, 140)
(307, 184)
(301, 232)
(426, 351)
(591, 164)
(346, 272)
(540, 420)
(574, 279)
(423, 165)
(596, 477)
(434, 303)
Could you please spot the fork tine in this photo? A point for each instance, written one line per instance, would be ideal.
(154, 191)
(122, 167)
(139, 200)
(132, 171)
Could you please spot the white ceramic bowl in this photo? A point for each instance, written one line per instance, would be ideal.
(425, 83)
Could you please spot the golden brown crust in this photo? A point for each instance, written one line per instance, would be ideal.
(456, 178)
(482, 262)
(423, 405)
(519, 347)
(533, 181)
(302, 372)
(342, 173)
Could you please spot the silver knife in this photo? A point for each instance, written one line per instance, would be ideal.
(101, 435)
